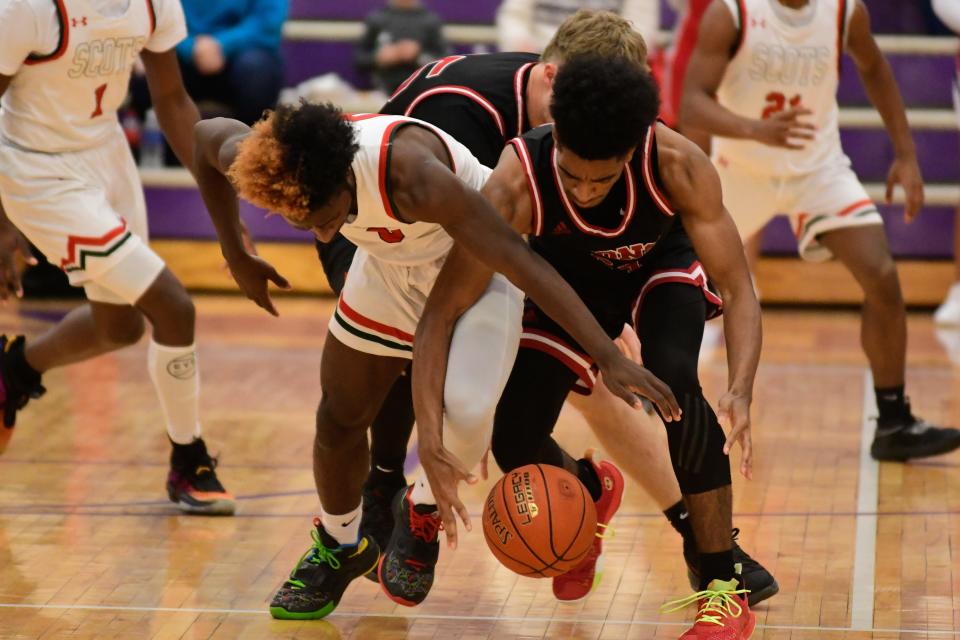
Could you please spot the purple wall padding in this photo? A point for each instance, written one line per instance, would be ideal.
(871, 153)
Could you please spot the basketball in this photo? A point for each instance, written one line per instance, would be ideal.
(539, 521)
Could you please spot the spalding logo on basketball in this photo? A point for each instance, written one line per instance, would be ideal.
(539, 521)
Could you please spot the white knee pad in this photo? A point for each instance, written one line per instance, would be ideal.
(482, 351)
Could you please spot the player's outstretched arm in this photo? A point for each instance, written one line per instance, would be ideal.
(175, 109)
(694, 188)
(425, 189)
(215, 149)
(460, 284)
(700, 110)
(882, 89)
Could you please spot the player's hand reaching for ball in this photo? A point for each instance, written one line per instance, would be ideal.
(12, 243)
(784, 129)
(253, 275)
(733, 411)
(627, 379)
(445, 471)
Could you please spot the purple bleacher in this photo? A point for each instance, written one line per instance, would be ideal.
(930, 237)
(925, 81)
(871, 153)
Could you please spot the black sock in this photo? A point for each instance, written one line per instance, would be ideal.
(680, 520)
(380, 476)
(892, 404)
(715, 566)
(24, 377)
(588, 476)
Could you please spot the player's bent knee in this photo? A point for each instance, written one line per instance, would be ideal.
(122, 331)
(339, 427)
(696, 449)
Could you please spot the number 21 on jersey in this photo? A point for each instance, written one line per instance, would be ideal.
(776, 102)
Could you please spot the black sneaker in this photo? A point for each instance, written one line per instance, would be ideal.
(377, 518)
(192, 483)
(321, 576)
(14, 393)
(407, 565)
(911, 437)
(757, 580)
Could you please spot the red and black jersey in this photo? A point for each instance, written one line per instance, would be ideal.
(609, 249)
(478, 99)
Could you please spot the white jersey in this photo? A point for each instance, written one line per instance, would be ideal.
(376, 228)
(785, 58)
(71, 62)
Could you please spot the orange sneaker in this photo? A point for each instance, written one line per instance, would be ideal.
(580, 581)
(724, 613)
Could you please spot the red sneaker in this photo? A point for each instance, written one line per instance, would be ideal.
(580, 581)
(723, 613)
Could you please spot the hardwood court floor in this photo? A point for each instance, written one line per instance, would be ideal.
(89, 547)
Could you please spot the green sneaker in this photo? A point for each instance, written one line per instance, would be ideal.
(322, 575)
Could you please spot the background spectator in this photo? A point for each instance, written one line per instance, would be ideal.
(232, 54)
(528, 25)
(399, 38)
(949, 312)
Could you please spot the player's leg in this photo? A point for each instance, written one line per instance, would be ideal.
(482, 351)
(525, 420)
(670, 326)
(369, 343)
(843, 222)
(391, 428)
(948, 313)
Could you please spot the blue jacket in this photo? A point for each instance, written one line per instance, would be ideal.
(237, 24)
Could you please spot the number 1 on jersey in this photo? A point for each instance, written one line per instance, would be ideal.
(102, 89)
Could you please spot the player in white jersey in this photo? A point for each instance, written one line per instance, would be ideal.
(404, 192)
(763, 81)
(69, 184)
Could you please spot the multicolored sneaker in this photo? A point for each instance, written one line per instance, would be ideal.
(580, 581)
(192, 483)
(14, 393)
(723, 612)
(759, 583)
(407, 565)
(377, 519)
(321, 576)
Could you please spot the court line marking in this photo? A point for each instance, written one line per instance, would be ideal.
(865, 551)
(442, 617)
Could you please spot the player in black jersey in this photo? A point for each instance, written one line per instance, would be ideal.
(609, 197)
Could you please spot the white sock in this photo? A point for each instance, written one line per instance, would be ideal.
(421, 493)
(173, 371)
(344, 528)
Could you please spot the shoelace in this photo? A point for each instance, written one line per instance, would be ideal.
(716, 604)
(320, 554)
(581, 572)
(425, 526)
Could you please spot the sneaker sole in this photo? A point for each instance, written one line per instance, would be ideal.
(216, 508)
(282, 614)
(395, 598)
(935, 449)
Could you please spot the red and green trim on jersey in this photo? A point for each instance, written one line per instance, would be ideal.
(841, 31)
(386, 151)
(81, 248)
(371, 330)
(152, 12)
(859, 209)
(64, 23)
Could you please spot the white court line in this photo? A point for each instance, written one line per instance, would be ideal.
(441, 617)
(865, 553)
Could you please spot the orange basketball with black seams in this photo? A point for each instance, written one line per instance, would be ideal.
(539, 521)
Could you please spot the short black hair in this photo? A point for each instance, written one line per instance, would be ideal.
(318, 145)
(602, 106)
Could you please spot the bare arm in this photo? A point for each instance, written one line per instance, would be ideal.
(694, 189)
(215, 149)
(881, 87)
(175, 109)
(700, 110)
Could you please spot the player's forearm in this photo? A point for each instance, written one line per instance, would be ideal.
(881, 87)
(743, 336)
(221, 201)
(178, 115)
(702, 112)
